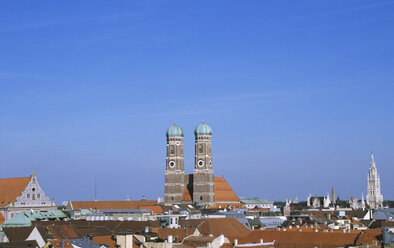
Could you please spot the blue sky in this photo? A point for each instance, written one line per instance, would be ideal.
(298, 94)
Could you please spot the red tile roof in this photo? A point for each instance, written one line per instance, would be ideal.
(178, 234)
(56, 243)
(186, 195)
(154, 209)
(2, 219)
(105, 240)
(223, 191)
(11, 188)
(286, 238)
(110, 204)
(231, 228)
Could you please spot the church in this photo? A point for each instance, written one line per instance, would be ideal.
(201, 187)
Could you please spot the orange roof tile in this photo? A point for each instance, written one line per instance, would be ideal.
(11, 188)
(223, 191)
(154, 209)
(2, 219)
(186, 195)
(105, 240)
(56, 243)
(294, 237)
(111, 204)
(231, 228)
(178, 234)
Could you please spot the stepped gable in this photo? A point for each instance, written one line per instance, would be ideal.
(231, 228)
(109, 204)
(11, 188)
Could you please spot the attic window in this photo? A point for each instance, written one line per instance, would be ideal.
(33, 189)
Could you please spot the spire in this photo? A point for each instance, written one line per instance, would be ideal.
(372, 160)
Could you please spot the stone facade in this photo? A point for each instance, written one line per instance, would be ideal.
(374, 198)
(203, 181)
(175, 171)
(200, 185)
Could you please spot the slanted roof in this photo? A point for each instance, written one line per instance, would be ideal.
(231, 228)
(57, 243)
(11, 188)
(105, 240)
(178, 234)
(16, 234)
(110, 204)
(186, 195)
(155, 209)
(326, 239)
(25, 218)
(223, 191)
(255, 201)
(84, 242)
(20, 244)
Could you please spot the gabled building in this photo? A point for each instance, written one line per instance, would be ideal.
(21, 194)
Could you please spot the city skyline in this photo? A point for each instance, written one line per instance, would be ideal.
(298, 94)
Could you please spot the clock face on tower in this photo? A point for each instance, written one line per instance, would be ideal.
(200, 163)
(171, 164)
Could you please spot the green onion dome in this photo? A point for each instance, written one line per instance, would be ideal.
(174, 130)
(203, 129)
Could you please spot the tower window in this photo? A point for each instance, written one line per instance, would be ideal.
(200, 149)
(172, 150)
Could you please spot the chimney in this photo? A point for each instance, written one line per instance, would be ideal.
(331, 230)
(316, 230)
(235, 242)
(62, 243)
(147, 229)
(170, 239)
(290, 227)
(344, 230)
(261, 241)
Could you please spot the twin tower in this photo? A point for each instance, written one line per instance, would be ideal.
(181, 188)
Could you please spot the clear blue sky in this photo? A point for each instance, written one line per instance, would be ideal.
(298, 94)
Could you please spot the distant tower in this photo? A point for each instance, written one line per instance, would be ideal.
(333, 195)
(374, 198)
(203, 178)
(175, 171)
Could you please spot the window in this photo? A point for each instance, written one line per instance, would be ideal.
(200, 198)
(28, 195)
(200, 149)
(38, 196)
(172, 150)
(33, 197)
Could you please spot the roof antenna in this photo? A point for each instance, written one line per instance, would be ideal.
(202, 121)
(95, 189)
(174, 123)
